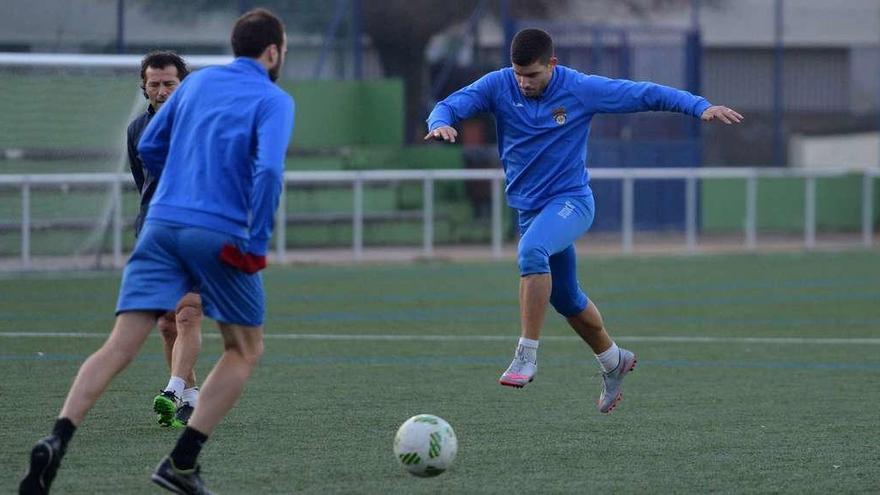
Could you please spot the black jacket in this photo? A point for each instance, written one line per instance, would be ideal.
(145, 182)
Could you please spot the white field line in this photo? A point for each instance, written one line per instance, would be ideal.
(683, 339)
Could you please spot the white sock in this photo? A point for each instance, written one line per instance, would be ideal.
(190, 396)
(176, 385)
(528, 349)
(609, 359)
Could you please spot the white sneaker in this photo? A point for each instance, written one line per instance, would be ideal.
(520, 372)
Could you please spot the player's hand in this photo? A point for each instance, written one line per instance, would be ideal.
(442, 133)
(724, 114)
(246, 262)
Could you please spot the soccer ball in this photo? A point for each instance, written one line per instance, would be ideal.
(425, 445)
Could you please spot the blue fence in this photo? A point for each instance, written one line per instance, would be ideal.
(659, 204)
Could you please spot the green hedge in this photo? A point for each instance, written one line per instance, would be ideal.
(780, 204)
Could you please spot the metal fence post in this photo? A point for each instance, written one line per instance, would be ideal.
(627, 220)
(281, 225)
(751, 224)
(496, 218)
(120, 26)
(867, 209)
(357, 47)
(428, 216)
(358, 219)
(810, 212)
(26, 224)
(117, 221)
(691, 213)
(778, 84)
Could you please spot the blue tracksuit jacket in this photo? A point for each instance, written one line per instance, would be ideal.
(219, 144)
(543, 141)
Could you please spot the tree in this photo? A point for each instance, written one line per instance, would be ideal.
(401, 29)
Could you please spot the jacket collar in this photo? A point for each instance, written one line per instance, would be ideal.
(250, 64)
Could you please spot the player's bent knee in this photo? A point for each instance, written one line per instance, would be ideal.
(168, 333)
(190, 299)
(189, 310)
(250, 354)
(567, 308)
(533, 259)
(252, 349)
(122, 356)
(256, 353)
(569, 305)
(167, 327)
(245, 342)
(188, 317)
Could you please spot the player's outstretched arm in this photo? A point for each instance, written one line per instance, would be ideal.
(722, 113)
(442, 133)
(464, 103)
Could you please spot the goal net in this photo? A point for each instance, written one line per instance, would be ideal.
(67, 114)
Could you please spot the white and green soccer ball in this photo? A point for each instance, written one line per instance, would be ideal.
(425, 445)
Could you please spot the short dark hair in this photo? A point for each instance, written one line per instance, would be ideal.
(159, 59)
(254, 31)
(530, 46)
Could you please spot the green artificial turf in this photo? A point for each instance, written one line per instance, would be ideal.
(734, 392)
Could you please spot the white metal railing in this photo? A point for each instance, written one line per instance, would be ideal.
(357, 179)
(30, 59)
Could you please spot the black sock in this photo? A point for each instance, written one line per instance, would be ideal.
(187, 449)
(64, 429)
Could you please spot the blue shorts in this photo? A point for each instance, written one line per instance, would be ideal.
(171, 260)
(547, 246)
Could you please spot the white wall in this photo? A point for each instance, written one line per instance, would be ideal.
(843, 150)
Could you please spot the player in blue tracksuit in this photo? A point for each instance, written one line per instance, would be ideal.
(543, 113)
(219, 143)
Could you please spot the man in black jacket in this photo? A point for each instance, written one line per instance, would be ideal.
(161, 73)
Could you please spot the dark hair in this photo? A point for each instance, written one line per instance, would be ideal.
(254, 31)
(159, 59)
(530, 46)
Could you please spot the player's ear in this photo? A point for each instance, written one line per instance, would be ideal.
(272, 54)
(144, 91)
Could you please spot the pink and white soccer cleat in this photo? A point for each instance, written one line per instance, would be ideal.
(519, 373)
(613, 380)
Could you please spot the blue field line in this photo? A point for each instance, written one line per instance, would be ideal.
(620, 321)
(500, 296)
(741, 338)
(762, 299)
(504, 312)
(738, 285)
(742, 321)
(420, 294)
(416, 361)
(433, 295)
(507, 311)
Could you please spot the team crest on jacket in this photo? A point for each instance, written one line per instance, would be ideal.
(559, 115)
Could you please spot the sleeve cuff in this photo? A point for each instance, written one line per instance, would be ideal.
(258, 246)
(436, 124)
(701, 107)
